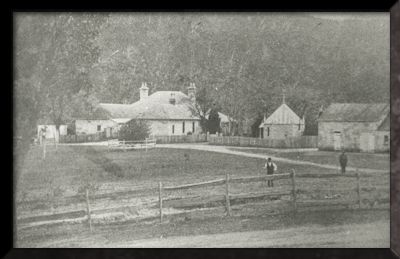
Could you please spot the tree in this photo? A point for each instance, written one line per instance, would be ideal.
(134, 130)
(213, 123)
(54, 54)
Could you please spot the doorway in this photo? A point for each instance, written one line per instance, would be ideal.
(337, 140)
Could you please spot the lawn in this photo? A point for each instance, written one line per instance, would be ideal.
(361, 160)
(46, 185)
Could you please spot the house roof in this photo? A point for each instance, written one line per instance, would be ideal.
(283, 115)
(224, 118)
(156, 106)
(385, 125)
(355, 112)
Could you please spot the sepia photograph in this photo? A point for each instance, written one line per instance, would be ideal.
(201, 129)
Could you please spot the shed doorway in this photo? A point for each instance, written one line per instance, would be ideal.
(367, 142)
(337, 140)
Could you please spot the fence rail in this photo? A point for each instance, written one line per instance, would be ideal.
(229, 196)
(226, 199)
(125, 145)
(291, 142)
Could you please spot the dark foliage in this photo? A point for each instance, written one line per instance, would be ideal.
(134, 130)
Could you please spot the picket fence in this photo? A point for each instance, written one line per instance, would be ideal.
(181, 139)
(100, 136)
(291, 142)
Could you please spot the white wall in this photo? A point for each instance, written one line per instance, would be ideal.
(157, 127)
(90, 126)
(164, 127)
(51, 130)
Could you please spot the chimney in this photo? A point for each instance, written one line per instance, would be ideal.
(144, 91)
(172, 99)
(192, 92)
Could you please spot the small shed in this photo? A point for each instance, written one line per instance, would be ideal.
(355, 127)
(282, 123)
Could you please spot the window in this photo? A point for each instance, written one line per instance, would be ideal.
(183, 127)
(268, 132)
(173, 129)
(98, 127)
(193, 124)
(386, 140)
(299, 126)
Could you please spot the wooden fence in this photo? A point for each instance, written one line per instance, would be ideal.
(291, 142)
(226, 199)
(100, 136)
(228, 196)
(126, 145)
(181, 139)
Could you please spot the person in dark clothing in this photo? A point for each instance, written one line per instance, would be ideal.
(271, 168)
(343, 161)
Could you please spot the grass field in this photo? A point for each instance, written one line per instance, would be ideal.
(45, 185)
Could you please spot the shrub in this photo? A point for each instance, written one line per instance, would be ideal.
(134, 130)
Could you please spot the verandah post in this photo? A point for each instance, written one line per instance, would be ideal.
(160, 199)
(228, 204)
(293, 176)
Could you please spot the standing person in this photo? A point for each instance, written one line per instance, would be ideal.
(271, 168)
(343, 161)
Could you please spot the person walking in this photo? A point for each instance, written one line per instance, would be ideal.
(343, 161)
(271, 168)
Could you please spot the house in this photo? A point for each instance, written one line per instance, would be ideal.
(282, 123)
(227, 125)
(98, 122)
(166, 112)
(355, 127)
(49, 131)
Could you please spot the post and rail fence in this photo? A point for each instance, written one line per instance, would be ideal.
(225, 199)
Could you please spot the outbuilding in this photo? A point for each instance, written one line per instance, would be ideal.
(355, 127)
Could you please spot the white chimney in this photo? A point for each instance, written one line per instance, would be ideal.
(172, 99)
(192, 92)
(144, 91)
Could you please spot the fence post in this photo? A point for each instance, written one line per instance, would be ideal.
(88, 210)
(294, 190)
(358, 189)
(160, 199)
(228, 203)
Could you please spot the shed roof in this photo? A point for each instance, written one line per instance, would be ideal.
(282, 115)
(385, 125)
(355, 112)
(224, 118)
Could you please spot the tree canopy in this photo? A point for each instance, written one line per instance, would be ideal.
(66, 63)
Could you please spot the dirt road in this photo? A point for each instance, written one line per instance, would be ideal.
(225, 150)
(372, 235)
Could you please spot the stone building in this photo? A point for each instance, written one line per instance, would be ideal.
(355, 127)
(282, 123)
(166, 113)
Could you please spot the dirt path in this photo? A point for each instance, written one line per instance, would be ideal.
(225, 150)
(373, 235)
(356, 235)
